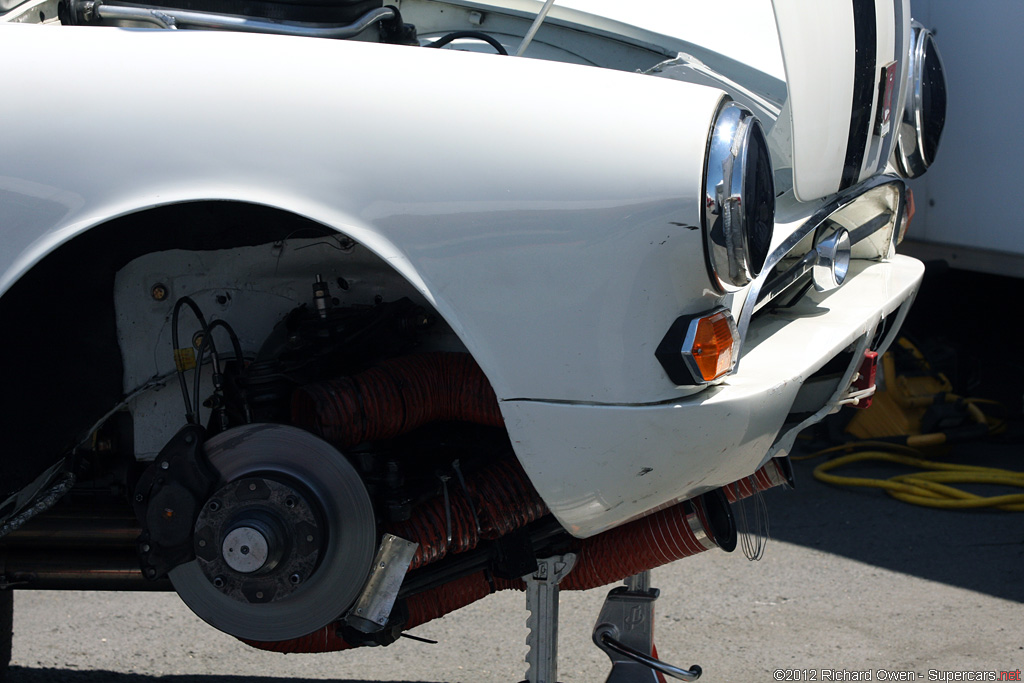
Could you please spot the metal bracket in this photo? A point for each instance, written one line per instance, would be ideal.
(373, 607)
(168, 498)
(625, 632)
(542, 602)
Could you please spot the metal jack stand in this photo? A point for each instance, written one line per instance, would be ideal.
(625, 631)
(542, 602)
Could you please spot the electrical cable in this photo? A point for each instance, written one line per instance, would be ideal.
(41, 503)
(478, 35)
(179, 362)
(236, 345)
(154, 382)
(197, 374)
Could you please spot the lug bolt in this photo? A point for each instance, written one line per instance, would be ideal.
(295, 579)
(219, 582)
(214, 506)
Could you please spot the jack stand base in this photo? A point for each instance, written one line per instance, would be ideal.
(625, 632)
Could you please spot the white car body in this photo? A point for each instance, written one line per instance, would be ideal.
(550, 213)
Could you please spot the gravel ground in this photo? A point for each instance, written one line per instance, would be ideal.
(851, 580)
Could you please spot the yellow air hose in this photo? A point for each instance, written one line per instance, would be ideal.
(930, 486)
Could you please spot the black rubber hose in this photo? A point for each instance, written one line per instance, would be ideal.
(478, 35)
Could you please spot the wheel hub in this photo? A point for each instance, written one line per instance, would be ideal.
(257, 539)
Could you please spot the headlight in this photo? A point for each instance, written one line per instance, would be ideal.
(739, 199)
(924, 114)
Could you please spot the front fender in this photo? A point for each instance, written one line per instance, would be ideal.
(547, 211)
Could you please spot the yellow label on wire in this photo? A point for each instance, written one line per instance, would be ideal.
(184, 359)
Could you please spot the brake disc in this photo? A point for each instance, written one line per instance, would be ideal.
(284, 546)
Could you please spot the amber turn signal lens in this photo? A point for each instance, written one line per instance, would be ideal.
(700, 348)
(714, 343)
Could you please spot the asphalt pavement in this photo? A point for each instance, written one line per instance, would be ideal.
(851, 581)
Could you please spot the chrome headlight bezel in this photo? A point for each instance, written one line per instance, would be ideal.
(738, 198)
(924, 112)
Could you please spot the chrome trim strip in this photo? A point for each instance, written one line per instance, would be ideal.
(818, 219)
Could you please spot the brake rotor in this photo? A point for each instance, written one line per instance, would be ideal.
(285, 545)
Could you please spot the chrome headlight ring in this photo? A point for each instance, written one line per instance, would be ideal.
(739, 198)
(924, 113)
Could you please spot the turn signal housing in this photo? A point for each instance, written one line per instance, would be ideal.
(700, 349)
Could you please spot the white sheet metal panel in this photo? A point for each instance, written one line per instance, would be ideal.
(819, 48)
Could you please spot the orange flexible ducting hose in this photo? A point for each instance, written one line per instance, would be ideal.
(404, 393)
(396, 397)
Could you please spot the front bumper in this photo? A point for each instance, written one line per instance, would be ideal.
(599, 465)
